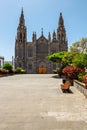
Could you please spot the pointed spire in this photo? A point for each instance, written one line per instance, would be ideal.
(54, 36)
(22, 11)
(49, 37)
(42, 31)
(22, 21)
(61, 22)
(34, 36)
(61, 35)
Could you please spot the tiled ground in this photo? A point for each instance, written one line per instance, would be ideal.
(36, 102)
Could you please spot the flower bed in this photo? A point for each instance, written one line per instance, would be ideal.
(81, 87)
(4, 72)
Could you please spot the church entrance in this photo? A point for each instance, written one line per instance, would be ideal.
(42, 70)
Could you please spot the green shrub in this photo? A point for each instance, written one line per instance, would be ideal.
(55, 71)
(23, 71)
(7, 66)
(19, 70)
(80, 76)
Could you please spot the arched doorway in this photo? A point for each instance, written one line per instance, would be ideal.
(42, 68)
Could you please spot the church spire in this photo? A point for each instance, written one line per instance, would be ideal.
(22, 20)
(61, 21)
(21, 30)
(61, 34)
(20, 43)
(42, 31)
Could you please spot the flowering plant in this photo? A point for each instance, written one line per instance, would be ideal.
(4, 71)
(19, 70)
(85, 80)
(71, 71)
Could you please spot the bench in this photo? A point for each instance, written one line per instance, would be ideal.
(65, 87)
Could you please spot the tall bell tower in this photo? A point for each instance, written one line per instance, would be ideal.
(61, 35)
(20, 43)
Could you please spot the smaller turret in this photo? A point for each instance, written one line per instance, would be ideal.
(42, 31)
(54, 37)
(34, 36)
(49, 37)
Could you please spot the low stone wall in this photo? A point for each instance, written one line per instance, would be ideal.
(80, 87)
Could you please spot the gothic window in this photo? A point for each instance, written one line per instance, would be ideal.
(24, 35)
(59, 37)
(20, 40)
(42, 48)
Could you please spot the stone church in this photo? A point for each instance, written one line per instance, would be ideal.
(31, 56)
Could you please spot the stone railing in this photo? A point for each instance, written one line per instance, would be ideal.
(81, 87)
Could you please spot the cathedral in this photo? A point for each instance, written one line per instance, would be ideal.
(31, 56)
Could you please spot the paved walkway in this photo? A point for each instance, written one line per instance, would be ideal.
(36, 102)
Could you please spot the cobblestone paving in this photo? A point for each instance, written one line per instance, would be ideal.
(36, 102)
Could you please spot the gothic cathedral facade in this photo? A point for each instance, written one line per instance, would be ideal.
(31, 56)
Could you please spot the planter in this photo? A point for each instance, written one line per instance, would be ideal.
(81, 87)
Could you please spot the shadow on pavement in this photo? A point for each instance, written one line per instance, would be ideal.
(55, 76)
(67, 91)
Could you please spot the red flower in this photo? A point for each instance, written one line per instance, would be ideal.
(4, 71)
(71, 72)
(85, 78)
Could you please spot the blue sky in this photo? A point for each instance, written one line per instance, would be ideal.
(41, 14)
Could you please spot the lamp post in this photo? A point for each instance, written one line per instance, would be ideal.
(12, 62)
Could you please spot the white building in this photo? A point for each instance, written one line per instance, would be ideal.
(1, 61)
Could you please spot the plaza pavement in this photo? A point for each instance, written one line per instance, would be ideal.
(36, 102)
